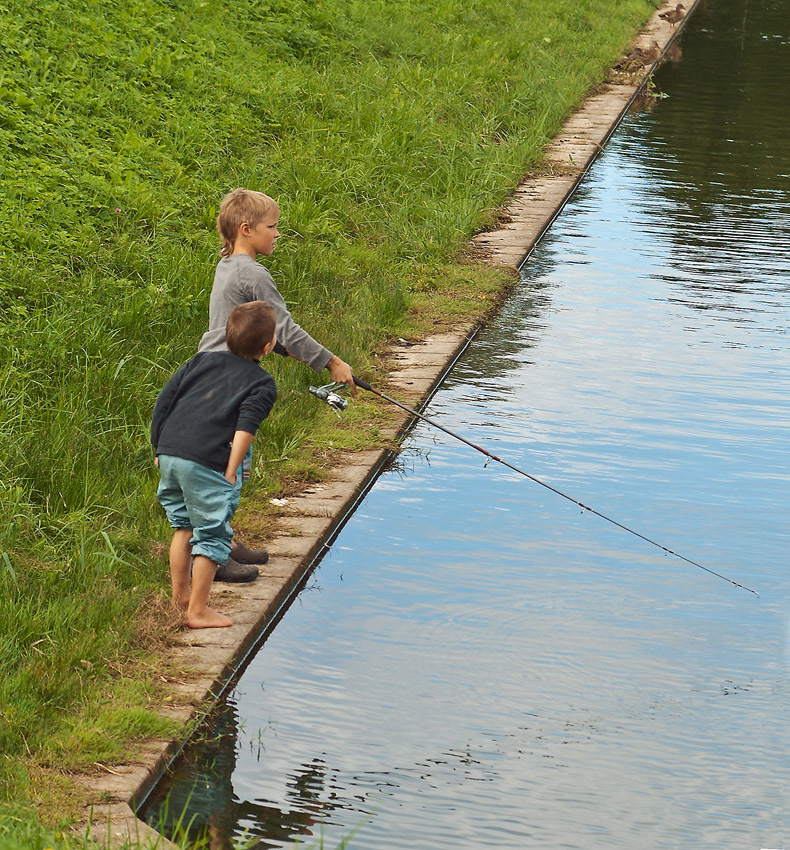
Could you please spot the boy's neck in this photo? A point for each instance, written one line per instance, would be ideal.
(244, 249)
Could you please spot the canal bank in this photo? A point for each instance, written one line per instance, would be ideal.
(308, 523)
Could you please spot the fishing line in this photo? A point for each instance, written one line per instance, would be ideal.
(329, 394)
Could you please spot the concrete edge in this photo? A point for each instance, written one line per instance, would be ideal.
(308, 522)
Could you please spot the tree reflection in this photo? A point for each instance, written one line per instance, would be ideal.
(722, 184)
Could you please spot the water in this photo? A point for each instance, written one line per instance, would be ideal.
(479, 663)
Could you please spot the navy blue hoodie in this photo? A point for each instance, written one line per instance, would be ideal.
(208, 399)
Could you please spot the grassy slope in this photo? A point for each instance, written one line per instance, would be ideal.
(387, 131)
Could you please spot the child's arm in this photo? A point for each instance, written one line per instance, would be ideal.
(259, 285)
(253, 410)
(242, 440)
(164, 403)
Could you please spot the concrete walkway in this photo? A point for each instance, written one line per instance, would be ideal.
(210, 658)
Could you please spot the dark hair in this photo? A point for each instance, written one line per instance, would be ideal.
(250, 327)
(239, 206)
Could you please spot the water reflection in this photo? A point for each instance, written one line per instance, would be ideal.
(482, 665)
(222, 814)
(715, 199)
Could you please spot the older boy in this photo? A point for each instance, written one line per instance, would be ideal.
(203, 424)
(247, 224)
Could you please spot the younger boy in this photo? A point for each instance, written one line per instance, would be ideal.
(203, 424)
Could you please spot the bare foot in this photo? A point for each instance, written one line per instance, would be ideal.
(181, 604)
(208, 619)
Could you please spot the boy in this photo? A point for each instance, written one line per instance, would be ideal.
(247, 225)
(203, 424)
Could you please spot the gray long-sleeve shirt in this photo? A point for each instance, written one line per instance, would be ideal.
(238, 279)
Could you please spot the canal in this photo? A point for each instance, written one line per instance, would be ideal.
(477, 662)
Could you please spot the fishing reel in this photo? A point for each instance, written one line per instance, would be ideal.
(329, 394)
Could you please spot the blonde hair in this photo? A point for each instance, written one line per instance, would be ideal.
(249, 328)
(238, 207)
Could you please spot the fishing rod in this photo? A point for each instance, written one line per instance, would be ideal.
(330, 394)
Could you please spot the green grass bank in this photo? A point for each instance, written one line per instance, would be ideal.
(388, 132)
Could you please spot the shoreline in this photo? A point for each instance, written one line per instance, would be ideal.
(308, 523)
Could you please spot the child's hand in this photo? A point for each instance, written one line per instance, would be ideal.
(156, 461)
(341, 372)
(231, 476)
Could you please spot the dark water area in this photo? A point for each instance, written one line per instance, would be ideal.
(479, 663)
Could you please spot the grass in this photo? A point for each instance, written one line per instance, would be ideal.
(388, 133)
